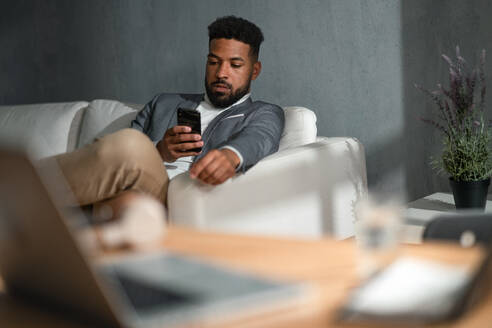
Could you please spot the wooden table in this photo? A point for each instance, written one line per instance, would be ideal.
(328, 265)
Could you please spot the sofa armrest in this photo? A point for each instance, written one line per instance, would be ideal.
(306, 191)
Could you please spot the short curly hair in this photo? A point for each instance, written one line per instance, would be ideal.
(232, 27)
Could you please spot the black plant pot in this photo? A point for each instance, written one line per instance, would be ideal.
(470, 194)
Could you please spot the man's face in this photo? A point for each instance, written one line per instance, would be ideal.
(229, 71)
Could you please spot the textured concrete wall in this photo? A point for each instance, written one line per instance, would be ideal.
(429, 29)
(351, 61)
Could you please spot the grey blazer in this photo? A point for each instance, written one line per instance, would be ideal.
(253, 128)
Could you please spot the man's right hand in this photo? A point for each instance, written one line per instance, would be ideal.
(177, 142)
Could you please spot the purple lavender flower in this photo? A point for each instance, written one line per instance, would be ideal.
(467, 136)
(457, 101)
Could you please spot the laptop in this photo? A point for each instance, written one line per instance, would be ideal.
(42, 260)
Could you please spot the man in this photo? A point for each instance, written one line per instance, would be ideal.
(236, 132)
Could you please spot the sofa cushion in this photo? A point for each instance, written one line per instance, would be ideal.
(45, 129)
(103, 117)
(300, 127)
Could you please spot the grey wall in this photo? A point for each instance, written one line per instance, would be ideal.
(429, 29)
(351, 61)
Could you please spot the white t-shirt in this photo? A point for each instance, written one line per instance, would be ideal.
(207, 113)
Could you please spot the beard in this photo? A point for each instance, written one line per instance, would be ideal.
(219, 99)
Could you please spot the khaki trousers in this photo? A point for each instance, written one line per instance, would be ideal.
(122, 161)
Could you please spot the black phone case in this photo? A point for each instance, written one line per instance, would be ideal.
(191, 118)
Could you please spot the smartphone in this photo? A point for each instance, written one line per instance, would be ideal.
(191, 118)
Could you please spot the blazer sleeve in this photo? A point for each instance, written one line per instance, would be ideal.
(260, 137)
(144, 117)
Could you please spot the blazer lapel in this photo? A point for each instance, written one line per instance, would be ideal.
(211, 127)
(218, 118)
(191, 101)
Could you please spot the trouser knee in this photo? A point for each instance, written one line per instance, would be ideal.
(127, 146)
(125, 160)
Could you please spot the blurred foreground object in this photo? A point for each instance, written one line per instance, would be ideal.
(377, 234)
(467, 228)
(142, 223)
(411, 291)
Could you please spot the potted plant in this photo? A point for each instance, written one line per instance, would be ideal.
(466, 135)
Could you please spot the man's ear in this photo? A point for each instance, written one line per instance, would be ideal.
(256, 70)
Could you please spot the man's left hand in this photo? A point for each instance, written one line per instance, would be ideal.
(215, 167)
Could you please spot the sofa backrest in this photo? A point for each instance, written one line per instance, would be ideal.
(45, 129)
(300, 127)
(55, 128)
(107, 116)
(104, 117)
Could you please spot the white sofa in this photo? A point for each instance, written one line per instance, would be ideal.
(307, 189)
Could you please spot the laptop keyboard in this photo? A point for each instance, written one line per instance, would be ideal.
(145, 297)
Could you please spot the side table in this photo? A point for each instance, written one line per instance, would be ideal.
(423, 210)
